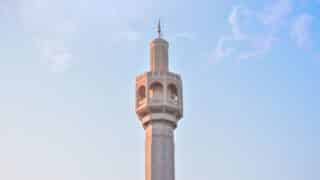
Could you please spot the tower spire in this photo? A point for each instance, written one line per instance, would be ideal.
(159, 29)
(159, 106)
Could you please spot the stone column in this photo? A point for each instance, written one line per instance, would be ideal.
(159, 55)
(159, 151)
(159, 108)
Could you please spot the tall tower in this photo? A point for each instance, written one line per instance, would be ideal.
(159, 108)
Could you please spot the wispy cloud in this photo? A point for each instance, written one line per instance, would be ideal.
(301, 31)
(253, 32)
(276, 12)
(50, 31)
(221, 51)
(236, 16)
(107, 22)
(259, 47)
(49, 22)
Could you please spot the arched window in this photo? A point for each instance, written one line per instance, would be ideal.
(173, 93)
(141, 94)
(156, 90)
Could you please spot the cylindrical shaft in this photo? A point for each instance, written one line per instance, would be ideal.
(159, 151)
(159, 55)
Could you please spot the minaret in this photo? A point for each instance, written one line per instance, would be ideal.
(159, 108)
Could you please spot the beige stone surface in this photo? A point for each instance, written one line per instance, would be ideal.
(159, 106)
(159, 149)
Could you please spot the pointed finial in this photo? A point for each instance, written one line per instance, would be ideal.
(159, 29)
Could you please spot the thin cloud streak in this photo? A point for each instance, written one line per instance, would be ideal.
(221, 51)
(48, 22)
(51, 32)
(276, 12)
(235, 18)
(246, 42)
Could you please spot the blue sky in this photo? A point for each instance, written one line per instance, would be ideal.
(251, 88)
